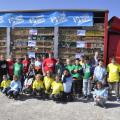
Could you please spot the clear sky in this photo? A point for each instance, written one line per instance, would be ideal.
(112, 5)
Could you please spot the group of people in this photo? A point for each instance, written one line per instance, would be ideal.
(50, 78)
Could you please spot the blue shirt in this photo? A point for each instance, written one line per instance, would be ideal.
(67, 85)
(15, 85)
(100, 73)
(101, 92)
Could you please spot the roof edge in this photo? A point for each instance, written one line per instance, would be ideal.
(41, 10)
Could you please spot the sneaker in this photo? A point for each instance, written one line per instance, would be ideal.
(84, 97)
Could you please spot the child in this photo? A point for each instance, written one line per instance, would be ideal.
(67, 85)
(100, 72)
(27, 88)
(100, 95)
(57, 89)
(38, 66)
(86, 78)
(15, 87)
(59, 67)
(69, 65)
(113, 70)
(77, 78)
(5, 85)
(48, 79)
(38, 87)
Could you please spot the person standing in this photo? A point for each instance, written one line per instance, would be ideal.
(3, 67)
(49, 64)
(18, 70)
(113, 70)
(26, 63)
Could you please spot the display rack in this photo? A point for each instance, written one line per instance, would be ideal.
(3, 41)
(91, 40)
(43, 39)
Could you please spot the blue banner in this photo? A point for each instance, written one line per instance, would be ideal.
(46, 19)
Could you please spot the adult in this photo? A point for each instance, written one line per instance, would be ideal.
(3, 67)
(94, 61)
(49, 64)
(26, 63)
(10, 67)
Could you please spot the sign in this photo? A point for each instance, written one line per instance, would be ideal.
(31, 43)
(33, 32)
(46, 19)
(31, 54)
(78, 55)
(81, 32)
(80, 44)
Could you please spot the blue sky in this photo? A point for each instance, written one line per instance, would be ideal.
(111, 5)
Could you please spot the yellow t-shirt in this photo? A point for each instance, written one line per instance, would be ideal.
(114, 70)
(47, 82)
(5, 83)
(38, 84)
(57, 87)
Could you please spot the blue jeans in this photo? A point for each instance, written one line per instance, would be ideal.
(86, 87)
(13, 93)
(5, 90)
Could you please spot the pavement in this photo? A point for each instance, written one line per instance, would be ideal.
(29, 108)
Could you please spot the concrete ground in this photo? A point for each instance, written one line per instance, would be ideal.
(34, 109)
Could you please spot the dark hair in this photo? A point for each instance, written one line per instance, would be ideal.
(100, 60)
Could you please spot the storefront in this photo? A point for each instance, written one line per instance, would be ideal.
(67, 33)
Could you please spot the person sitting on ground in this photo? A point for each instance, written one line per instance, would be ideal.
(15, 87)
(100, 95)
(57, 89)
(5, 85)
(38, 87)
(48, 79)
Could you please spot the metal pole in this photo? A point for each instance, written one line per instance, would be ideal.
(8, 41)
(55, 40)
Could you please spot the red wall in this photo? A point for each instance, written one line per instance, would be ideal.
(114, 47)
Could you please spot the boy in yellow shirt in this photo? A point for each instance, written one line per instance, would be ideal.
(114, 77)
(5, 85)
(57, 89)
(38, 87)
(48, 79)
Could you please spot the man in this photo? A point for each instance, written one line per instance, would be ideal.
(49, 64)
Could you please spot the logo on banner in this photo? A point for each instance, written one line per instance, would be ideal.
(16, 20)
(58, 18)
(81, 19)
(37, 20)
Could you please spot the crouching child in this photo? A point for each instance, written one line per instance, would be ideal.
(5, 85)
(100, 95)
(57, 89)
(38, 87)
(67, 85)
(15, 88)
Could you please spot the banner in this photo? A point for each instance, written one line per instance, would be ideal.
(46, 19)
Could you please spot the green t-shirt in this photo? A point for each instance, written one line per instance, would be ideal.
(69, 67)
(18, 68)
(87, 71)
(77, 75)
